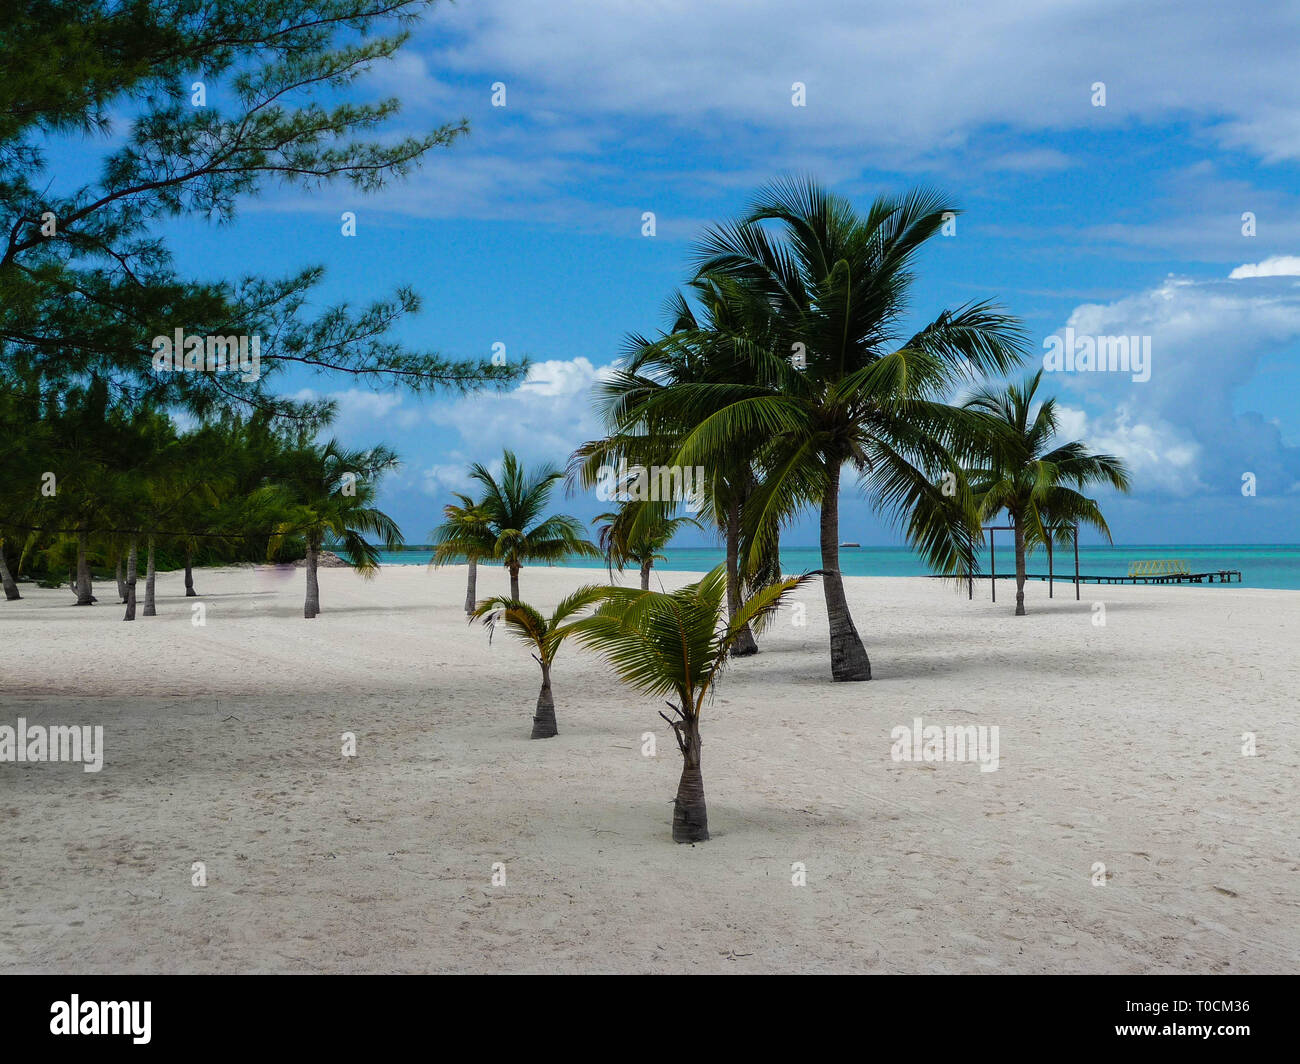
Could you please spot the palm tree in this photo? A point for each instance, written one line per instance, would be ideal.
(543, 634)
(333, 489)
(1032, 480)
(514, 506)
(464, 534)
(642, 547)
(838, 380)
(6, 577)
(677, 643)
(664, 388)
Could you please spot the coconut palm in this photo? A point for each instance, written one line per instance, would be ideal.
(1034, 481)
(642, 547)
(464, 534)
(515, 505)
(676, 643)
(663, 389)
(838, 380)
(332, 489)
(543, 635)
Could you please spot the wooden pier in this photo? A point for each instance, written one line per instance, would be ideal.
(1146, 571)
(1219, 576)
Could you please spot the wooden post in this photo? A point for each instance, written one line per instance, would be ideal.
(1076, 563)
(1051, 573)
(993, 568)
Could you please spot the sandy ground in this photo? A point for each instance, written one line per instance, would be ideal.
(1119, 744)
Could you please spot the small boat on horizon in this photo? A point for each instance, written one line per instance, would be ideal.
(846, 543)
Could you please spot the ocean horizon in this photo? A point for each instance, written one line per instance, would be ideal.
(1262, 565)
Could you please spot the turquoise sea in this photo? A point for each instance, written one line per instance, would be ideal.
(1261, 565)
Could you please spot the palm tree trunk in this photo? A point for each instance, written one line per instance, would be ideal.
(150, 609)
(471, 589)
(312, 606)
(544, 719)
(1020, 565)
(745, 644)
(690, 814)
(514, 582)
(645, 576)
(6, 577)
(130, 582)
(121, 580)
(189, 574)
(85, 590)
(849, 659)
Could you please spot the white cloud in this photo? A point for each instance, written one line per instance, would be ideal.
(677, 63)
(362, 412)
(1276, 266)
(1180, 431)
(543, 419)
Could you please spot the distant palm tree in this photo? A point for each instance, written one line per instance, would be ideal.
(515, 506)
(838, 380)
(466, 534)
(332, 490)
(543, 634)
(643, 546)
(677, 644)
(1034, 484)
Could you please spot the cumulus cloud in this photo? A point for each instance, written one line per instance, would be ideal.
(543, 419)
(1276, 266)
(1180, 431)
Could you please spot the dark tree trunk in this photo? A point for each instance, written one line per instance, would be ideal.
(150, 604)
(745, 644)
(130, 582)
(645, 575)
(849, 659)
(121, 579)
(311, 607)
(544, 719)
(85, 589)
(1020, 565)
(6, 577)
(690, 814)
(514, 582)
(189, 574)
(471, 589)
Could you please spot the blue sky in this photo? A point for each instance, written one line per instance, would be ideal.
(1117, 220)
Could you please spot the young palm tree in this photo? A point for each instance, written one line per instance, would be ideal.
(543, 634)
(1032, 480)
(677, 644)
(465, 534)
(333, 489)
(642, 547)
(515, 505)
(839, 382)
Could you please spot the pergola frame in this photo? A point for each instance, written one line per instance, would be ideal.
(1051, 572)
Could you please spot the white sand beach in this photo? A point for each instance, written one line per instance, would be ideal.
(1119, 744)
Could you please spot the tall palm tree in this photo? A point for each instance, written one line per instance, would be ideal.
(642, 547)
(840, 382)
(664, 388)
(1038, 484)
(543, 634)
(677, 643)
(515, 505)
(333, 489)
(465, 533)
